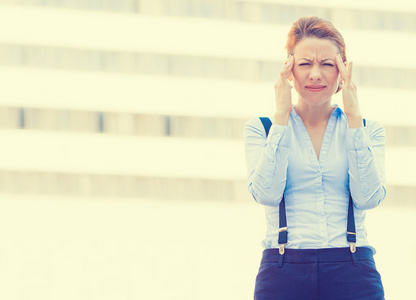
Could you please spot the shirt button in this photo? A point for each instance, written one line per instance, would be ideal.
(325, 244)
(357, 139)
(318, 173)
(322, 220)
(323, 152)
(279, 134)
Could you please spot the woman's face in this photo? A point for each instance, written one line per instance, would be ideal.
(315, 73)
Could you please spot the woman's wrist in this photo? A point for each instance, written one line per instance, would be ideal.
(355, 120)
(281, 118)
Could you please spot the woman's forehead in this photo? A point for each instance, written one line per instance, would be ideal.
(313, 47)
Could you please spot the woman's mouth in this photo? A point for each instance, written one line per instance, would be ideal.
(315, 88)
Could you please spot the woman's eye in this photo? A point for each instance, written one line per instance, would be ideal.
(328, 65)
(304, 64)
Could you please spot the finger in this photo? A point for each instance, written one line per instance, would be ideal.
(283, 68)
(341, 67)
(287, 62)
(287, 68)
(350, 68)
(289, 65)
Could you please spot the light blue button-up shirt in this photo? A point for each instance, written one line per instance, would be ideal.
(316, 191)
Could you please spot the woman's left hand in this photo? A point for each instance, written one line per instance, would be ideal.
(349, 94)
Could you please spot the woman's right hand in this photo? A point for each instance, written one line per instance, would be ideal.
(283, 93)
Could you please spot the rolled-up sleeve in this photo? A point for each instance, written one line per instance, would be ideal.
(267, 160)
(366, 154)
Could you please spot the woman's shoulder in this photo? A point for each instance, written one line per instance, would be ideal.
(255, 126)
(375, 128)
(257, 120)
(373, 124)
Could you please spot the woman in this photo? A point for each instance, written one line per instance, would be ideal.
(318, 168)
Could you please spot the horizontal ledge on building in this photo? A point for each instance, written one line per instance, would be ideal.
(356, 15)
(158, 125)
(123, 186)
(142, 187)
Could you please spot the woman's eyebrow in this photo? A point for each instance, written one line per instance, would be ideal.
(321, 60)
(310, 60)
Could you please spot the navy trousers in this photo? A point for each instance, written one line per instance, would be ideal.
(318, 274)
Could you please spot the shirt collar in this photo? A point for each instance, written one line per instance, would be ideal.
(337, 110)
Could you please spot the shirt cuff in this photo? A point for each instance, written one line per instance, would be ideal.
(357, 138)
(279, 135)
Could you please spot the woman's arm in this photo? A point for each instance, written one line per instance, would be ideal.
(267, 160)
(365, 146)
(366, 151)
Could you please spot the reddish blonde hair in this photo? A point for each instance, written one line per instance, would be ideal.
(315, 27)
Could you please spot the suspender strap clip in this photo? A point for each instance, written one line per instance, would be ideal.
(281, 252)
(282, 239)
(282, 249)
(354, 257)
(352, 247)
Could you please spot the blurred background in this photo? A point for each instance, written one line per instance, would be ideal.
(122, 168)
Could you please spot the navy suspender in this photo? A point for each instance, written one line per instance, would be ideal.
(351, 234)
(282, 226)
(266, 124)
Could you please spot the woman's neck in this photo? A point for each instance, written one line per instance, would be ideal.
(314, 115)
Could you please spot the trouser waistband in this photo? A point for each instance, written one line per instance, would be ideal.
(316, 255)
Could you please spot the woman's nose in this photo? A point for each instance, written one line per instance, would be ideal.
(315, 73)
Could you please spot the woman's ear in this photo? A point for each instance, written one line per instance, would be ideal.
(290, 77)
(340, 85)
